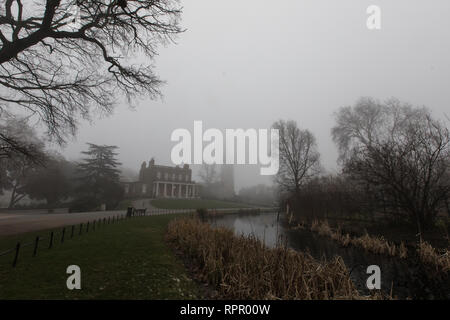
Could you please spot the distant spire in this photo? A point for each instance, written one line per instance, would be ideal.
(227, 178)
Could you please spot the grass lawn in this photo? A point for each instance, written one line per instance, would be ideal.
(126, 260)
(195, 204)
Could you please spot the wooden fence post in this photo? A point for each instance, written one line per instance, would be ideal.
(36, 243)
(63, 234)
(81, 228)
(50, 244)
(16, 256)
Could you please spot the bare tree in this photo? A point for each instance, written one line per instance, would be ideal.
(400, 153)
(60, 59)
(208, 173)
(16, 166)
(299, 158)
(15, 140)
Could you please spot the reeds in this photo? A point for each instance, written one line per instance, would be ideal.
(377, 245)
(241, 267)
(429, 255)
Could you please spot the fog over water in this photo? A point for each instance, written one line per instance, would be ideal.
(246, 64)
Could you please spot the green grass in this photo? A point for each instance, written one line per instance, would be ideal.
(195, 204)
(126, 260)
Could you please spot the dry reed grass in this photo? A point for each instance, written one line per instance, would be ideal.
(243, 268)
(427, 254)
(430, 255)
(377, 245)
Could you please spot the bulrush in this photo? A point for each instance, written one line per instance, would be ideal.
(241, 267)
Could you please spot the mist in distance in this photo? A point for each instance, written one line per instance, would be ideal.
(248, 64)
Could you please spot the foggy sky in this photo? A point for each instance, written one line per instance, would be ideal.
(245, 64)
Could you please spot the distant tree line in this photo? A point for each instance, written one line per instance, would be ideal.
(258, 195)
(394, 159)
(47, 176)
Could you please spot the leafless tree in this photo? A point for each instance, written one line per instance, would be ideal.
(16, 140)
(62, 59)
(400, 152)
(330, 196)
(16, 166)
(208, 173)
(299, 158)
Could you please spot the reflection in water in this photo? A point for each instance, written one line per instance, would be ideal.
(262, 226)
(395, 273)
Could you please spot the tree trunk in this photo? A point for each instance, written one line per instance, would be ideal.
(11, 200)
(419, 226)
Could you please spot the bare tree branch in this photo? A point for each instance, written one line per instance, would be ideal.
(61, 66)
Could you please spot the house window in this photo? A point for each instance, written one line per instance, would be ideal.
(173, 176)
(127, 188)
(158, 175)
(187, 177)
(144, 188)
(166, 176)
(180, 177)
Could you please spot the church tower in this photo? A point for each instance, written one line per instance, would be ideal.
(227, 179)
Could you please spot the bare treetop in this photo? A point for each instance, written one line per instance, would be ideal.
(60, 58)
(299, 157)
(400, 153)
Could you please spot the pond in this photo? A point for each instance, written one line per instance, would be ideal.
(405, 278)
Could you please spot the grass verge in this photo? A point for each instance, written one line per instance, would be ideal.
(125, 260)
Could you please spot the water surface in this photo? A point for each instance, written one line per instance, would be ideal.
(405, 280)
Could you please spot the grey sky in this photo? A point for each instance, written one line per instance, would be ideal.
(245, 64)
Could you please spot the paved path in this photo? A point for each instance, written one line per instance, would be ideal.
(14, 223)
(20, 222)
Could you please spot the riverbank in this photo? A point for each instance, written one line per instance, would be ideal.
(196, 204)
(396, 232)
(242, 267)
(124, 260)
(401, 278)
(426, 254)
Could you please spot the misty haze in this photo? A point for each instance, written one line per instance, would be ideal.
(224, 150)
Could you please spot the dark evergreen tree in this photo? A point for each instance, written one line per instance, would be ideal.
(99, 178)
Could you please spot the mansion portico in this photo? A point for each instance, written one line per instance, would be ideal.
(157, 181)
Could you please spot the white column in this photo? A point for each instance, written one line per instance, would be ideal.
(172, 190)
(179, 190)
(165, 190)
(157, 190)
(187, 194)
